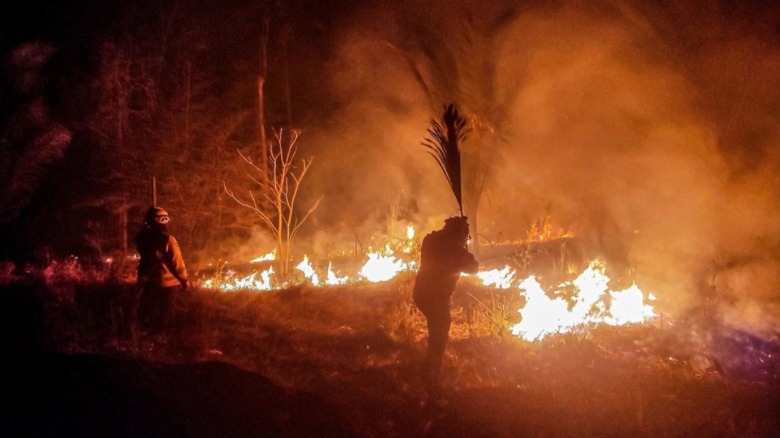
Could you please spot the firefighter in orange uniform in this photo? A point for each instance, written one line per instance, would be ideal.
(161, 271)
(444, 256)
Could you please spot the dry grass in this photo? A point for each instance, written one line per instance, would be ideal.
(359, 348)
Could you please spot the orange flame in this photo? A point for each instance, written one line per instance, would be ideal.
(271, 256)
(383, 267)
(542, 315)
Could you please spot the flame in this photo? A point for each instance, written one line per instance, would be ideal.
(501, 279)
(542, 315)
(334, 279)
(628, 307)
(266, 257)
(540, 231)
(381, 267)
(408, 243)
(584, 301)
(250, 282)
(308, 271)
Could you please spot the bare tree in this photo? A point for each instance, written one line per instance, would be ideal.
(261, 99)
(284, 183)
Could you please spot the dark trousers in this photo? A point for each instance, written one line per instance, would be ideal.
(155, 307)
(439, 321)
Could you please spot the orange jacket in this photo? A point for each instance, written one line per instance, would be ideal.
(161, 260)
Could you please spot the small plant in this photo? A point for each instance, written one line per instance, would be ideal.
(498, 315)
(405, 322)
(522, 258)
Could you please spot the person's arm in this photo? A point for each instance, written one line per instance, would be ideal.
(175, 262)
(460, 260)
(469, 264)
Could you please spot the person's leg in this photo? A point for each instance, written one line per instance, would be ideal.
(158, 305)
(146, 308)
(167, 306)
(439, 322)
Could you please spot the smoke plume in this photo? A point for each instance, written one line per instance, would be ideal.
(649, 130)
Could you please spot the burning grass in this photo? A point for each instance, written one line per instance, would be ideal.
(357, 349)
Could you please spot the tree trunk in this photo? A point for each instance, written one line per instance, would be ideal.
(261, 129)
(261, 102)
(123, 223)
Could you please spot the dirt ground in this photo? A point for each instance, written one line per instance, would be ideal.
(345, 362)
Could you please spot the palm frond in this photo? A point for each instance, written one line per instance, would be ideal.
(443, 143)
(21, 175)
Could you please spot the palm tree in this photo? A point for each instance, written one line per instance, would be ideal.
(460, 67)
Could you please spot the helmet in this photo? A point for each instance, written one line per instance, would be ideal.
(156, 215)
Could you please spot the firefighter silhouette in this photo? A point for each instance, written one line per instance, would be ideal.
(161, 272)
(444, 256)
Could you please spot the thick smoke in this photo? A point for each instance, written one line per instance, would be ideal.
(649, 131)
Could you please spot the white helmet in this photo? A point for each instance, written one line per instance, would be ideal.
(157, 215)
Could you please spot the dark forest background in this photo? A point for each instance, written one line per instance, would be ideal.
(97, 98)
